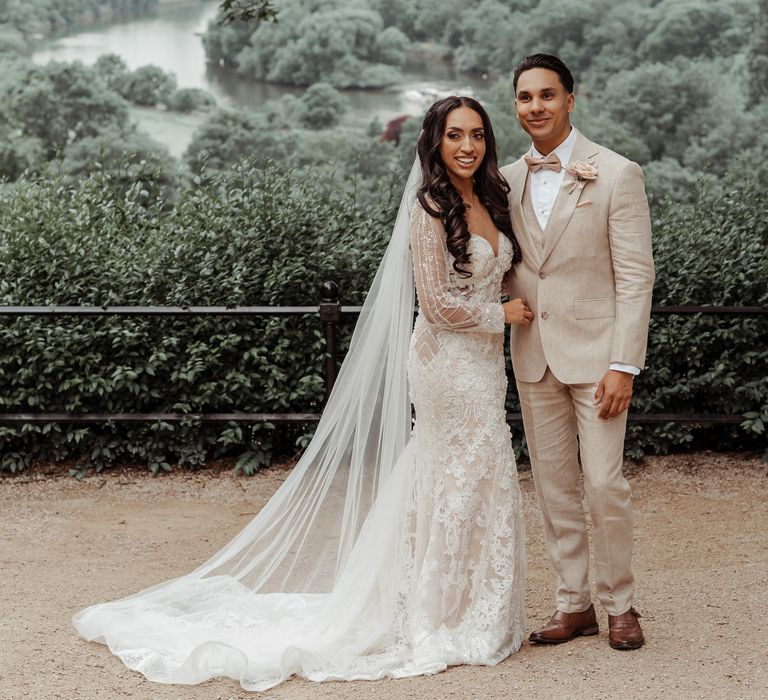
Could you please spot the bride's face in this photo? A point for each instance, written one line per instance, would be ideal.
(462, 146)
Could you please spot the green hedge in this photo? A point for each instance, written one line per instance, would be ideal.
(250, 236)
(713, 251)
(243, 237)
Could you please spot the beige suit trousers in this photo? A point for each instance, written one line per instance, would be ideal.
(561, 427)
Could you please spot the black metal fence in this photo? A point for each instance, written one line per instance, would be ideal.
(330, 311)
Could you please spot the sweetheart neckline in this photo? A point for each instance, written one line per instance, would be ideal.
(497, 253)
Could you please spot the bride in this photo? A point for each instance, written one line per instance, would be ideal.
(386, 552)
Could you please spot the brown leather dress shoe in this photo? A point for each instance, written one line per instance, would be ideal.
(565, 626)
(624, 631)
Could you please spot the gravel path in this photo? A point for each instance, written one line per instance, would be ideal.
(701, 563)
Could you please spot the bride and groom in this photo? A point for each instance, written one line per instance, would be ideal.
(392, 551)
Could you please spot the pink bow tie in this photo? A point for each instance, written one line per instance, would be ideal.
(552, 162)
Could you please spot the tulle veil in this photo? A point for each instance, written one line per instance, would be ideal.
(300, 542)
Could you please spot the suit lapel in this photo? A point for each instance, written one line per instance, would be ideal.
(567, 198)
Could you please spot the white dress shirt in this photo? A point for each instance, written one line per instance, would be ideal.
(545, 185)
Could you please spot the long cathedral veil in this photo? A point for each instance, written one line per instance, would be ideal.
(301, 540)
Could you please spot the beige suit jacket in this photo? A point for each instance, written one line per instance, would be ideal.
(590, 285)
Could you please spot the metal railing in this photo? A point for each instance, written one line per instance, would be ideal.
(330, 312)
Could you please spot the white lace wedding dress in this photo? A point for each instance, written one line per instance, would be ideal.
(436, 573)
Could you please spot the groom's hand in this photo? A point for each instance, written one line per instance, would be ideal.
(614, 393)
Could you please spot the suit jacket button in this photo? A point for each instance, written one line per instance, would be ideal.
(544, 315)
(543, 275)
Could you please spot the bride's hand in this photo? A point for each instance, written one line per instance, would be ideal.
(517, 311)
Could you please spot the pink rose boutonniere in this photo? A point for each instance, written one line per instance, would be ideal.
(580, 171)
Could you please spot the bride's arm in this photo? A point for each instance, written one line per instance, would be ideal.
(436, 304)
(506, 282)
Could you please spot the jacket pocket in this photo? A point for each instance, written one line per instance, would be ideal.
(595, 308)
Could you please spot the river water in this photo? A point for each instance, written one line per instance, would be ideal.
(171, 38)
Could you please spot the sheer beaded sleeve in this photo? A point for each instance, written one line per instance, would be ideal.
(506, 282)
(437, 304)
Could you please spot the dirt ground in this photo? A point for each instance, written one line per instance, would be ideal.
(701, 564)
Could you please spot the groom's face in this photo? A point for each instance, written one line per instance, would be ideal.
(543, 107)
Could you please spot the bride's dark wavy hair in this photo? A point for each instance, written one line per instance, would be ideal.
(442, 200)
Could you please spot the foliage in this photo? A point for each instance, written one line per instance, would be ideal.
(246, 11)
(103, 215)
(190, 99)
(249, 236)
(148, 86)
(229, 136)
(322, 107)
(353, 157)
(655, 100)
(129, 156)
(654, 77)
(60, 103)
(32, 17)
(711, 251)
(79, 114)
(245, 236)
(18, 152)
(342, 43)
(12, 41)
(113, 70)
(757, 56)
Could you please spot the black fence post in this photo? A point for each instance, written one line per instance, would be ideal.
(330, 315)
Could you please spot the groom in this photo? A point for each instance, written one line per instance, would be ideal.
(581, 216)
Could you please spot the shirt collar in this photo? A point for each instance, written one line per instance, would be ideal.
(564, 151)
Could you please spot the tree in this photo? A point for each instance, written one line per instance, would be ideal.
(667, 180)
(12, 40)
(128, 155)
(60, 103)
(720, 141)
(680, 25)
(112, 69)
(485, 37)
(330, 42)
(438, 20)
(757, 55)
(190, 99)
(284, 112)
(19, 153)
(229, 136)
(247, 11)
(661, 102)
(596, 123)
(223, 42)
(398, 13)
(322, 107)
(148, 85)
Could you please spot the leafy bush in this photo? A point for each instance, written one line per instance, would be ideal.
(322, 106)
(228, 136)
(246, 236)
(250, 236)
(129, 156)
(190, 99)
(712, 251)
(59, 103)
(148, 85)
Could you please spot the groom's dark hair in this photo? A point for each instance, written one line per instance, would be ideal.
(545, 60)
